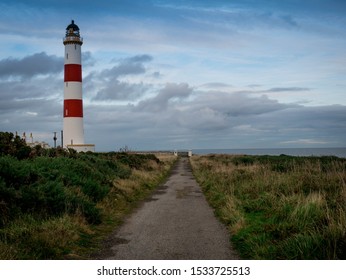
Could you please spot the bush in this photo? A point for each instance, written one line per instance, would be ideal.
(13, 145)
(54, 186)
(137, 161)
(62, 182)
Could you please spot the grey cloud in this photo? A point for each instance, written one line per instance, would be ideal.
(112, 88)
(169, 92)
(88, 59)
(156, 75)
(117, 90)
(323, 123)
(240, 104)
(139, 59)
(179, 116)
(206, 127)
(216, 85)
(33, 105)
(29, 66)
(12, 92)
(123, 69)
(330, 117)
(32, 115)
(182, 107)
(202, 119)
(271, 90)
(282, 89)
(128, 66)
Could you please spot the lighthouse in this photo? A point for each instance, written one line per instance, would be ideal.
(73, 132)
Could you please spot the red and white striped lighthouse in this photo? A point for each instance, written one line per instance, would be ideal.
(73, 97)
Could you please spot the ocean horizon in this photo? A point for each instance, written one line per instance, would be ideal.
(339, 152)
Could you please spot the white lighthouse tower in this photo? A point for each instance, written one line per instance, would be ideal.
(73, 133)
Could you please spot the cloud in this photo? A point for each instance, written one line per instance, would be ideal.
(308, 142)
(254, 85)
(285, 89)
(138, 59)
(117, 90)
(88, 59)
(180, 116)
(31, 65)
(12, 92)
(109, 84)
(34, 104)
(215, 85)
(239, 103)
(322, 123)
(128, 66)
(171, 92)
(203, 119)
(156, 75)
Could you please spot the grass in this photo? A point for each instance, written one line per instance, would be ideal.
(61, 205)
(278, 207)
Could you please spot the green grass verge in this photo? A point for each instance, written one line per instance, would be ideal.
(278, 207)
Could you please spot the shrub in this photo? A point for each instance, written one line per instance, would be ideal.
(42, 195)
(13, 145)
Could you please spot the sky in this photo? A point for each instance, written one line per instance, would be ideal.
(180, 74)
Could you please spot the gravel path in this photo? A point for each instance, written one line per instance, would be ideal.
(175, 223)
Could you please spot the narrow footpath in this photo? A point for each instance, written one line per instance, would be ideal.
(176, 222)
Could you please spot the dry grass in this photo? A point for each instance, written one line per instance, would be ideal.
(279, 207)
(28, 238)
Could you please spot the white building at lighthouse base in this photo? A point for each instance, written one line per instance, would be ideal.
(82, 147)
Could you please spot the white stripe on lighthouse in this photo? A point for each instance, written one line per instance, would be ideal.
(73, 54)
(73, 90)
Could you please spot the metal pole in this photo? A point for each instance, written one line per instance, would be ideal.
(54, 138)
(62, 139)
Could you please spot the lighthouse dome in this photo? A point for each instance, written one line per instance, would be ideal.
(72, 26)
(72, 34)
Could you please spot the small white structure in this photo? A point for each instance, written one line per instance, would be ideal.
(43, 144)
(33, 143)
(82, 147)
(189, 153)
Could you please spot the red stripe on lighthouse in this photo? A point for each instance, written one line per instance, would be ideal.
(73, 108)
(73, 73)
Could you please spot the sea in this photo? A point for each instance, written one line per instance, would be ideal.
(338, 152)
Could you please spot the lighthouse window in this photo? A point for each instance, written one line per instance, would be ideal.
(66, 84)
(66, 55)
(75, 46)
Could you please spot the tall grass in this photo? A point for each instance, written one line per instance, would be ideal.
(61, 205)
(279, 207)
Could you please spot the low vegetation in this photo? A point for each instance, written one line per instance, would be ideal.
(58, 204)
(278, 207)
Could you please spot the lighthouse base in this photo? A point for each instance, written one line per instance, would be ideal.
(82, 147)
